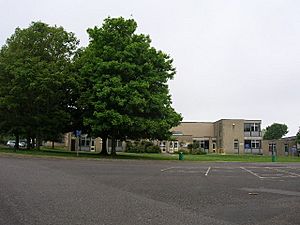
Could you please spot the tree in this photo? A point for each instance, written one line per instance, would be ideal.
(126, 93)
(275, 131)
(298, 136)
(36, 83)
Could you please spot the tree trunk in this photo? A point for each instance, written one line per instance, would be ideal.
(113, 147)
(28, 142)
(52, 144)
(17, 141)
(38, 142)
(33, 142)
(104, 145)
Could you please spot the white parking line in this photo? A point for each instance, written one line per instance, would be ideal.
(207, 171)
(288, 172)
(170, 168)
(249, 171)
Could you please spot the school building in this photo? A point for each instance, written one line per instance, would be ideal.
(223, 136)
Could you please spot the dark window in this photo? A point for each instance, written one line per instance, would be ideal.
(247, 144)
(255, 144)
(286, 147)
(247, 127)
(272, 146)
(236, 144)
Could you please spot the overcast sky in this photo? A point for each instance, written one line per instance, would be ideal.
(234, 58)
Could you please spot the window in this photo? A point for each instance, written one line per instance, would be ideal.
(177, 133)
(255, 144)
(272, 147)
(119, 144)
(247, 144)
(214, 145)
(204, 144)
(175, 144)
(247, 127)
(255, 127)
(236, 144)
(286, 147)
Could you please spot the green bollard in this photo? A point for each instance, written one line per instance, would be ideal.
(180, 155)
(273, 158)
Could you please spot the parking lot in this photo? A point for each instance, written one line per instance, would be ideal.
(261, 172)
(56, 191)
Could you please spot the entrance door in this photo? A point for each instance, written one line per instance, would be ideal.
(73, 144)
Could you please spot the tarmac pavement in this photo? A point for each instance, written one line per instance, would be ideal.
(35, 191)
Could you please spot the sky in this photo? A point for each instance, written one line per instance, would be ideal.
(235, 59)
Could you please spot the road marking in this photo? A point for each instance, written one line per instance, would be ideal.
(207, 171)
(273, 191)
(288, 172)
(249, 171)
(170, 168)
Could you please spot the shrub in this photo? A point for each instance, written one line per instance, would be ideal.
(153, 149)
(184, 151)
(142, 147)
(198, 152)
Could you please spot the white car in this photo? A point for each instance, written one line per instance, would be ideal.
(11, 144)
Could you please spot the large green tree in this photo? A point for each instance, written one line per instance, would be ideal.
(298, 136)
(126, 92)
(275, 131)
(36, 81)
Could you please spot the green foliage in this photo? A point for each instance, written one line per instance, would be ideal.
(275, 131)
(195, 149)
(142, 147)
(184, 151)
(125, 93)
(197, 152)
(37, 85)
(298, 137)
(194, 145)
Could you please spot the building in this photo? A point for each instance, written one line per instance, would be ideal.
(231, 136)
(282, 147)
(86, 143)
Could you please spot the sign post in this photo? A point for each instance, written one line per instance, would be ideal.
(78, 134)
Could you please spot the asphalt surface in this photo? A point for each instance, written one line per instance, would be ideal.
(35, 191)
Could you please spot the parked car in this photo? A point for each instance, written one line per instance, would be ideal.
(11, 144)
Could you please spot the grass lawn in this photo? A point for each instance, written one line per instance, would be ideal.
(212, 157)
(48, 152)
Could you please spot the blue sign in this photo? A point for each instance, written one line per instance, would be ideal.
(78, 133)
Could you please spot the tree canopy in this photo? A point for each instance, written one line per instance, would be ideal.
(298, 137)
(275, 131)
(36, 83)
(125, 92)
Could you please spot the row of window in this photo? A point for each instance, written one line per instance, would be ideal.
(249, 144)
(252, 127)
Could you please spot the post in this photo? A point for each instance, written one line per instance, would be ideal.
(180, 157)
(273, 153)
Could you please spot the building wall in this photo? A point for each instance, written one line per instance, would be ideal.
(284, 146)
(228, 135)
(228, 131)
(196, 129)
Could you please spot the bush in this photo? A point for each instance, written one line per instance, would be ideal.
(184, 151)
(153, 149)
(142, 147)
(198, 152)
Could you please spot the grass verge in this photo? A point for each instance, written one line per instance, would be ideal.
(48, 152)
